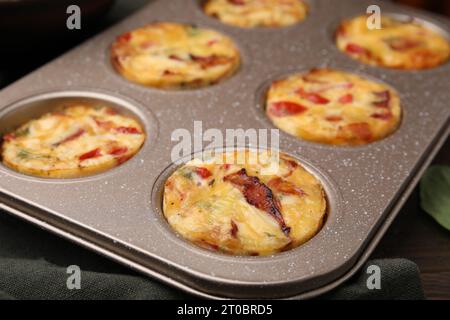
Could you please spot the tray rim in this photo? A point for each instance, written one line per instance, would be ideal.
(397, 193)
(361, 260)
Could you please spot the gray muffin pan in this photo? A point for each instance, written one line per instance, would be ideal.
(118, 213)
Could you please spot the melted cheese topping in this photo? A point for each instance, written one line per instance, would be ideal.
(333, 107)
(257, 13)
(170, 55)
(76, 141)
(208, 210)
(399, 45)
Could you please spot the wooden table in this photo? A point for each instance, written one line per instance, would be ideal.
(416, 236)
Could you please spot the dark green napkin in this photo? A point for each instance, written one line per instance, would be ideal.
(400, 280)
(33, 265)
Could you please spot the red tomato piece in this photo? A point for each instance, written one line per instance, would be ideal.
(212, 42)
(170, 73)
(118, 151)
(234, 229)
(286, 108)
(402, 44)
(91, 154)
(9, 137)
(312, 97)
(111, 111)
(348, 98)
(385, 99)
(203, 172)
(334, 118)
(106, 125)
(361, 130)
(175, 57)
(209, 61)
(237, 2)
(127, 130)
(355, 49)
(125, 37)
(123, 159)
(382, 116)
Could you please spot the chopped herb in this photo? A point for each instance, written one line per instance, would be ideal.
(193, 31)
(25, 154)
(269, 235)
(204, 204)
(187, 173)
(22, 132)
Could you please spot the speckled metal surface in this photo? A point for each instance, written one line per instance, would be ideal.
(118, 213)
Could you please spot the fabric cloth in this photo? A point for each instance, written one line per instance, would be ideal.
(33, 265)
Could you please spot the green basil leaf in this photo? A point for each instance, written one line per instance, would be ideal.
(435, 194)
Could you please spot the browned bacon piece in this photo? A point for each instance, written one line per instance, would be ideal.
(258, 195)
(209, 61)
(384, 99)
(285, 187)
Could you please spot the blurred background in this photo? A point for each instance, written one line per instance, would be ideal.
(34, 32)
(439, 6)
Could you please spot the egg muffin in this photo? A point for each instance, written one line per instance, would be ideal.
(74, 141)
(333, 107)
(245, 203)
(171, 55)
(407, 45)
(257, 13)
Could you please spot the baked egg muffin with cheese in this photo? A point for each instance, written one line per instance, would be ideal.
(333, 107)
(235, 204)
(407, 45)
(257, 13)
(74, 141)
(172, 55)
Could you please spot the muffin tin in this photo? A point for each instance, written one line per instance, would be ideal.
(118, 213)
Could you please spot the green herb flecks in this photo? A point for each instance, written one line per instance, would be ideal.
(186, 173)
(27, 155)
(193, 31)
(22, 132)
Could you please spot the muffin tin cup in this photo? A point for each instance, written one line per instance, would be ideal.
(37, 105)
(118, 213)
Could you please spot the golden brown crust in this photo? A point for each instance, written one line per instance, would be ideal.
(333, 107)
(257, 13)
(245, 207)
(398, 45)
(75, 141)
(171, 55)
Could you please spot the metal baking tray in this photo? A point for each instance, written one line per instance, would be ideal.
(118, 213)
